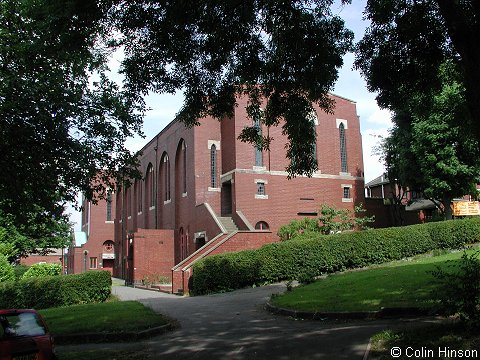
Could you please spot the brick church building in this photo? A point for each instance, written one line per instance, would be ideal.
(205, 192)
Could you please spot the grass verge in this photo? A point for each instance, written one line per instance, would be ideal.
(109, 317)
(446, 340)
(399, 284)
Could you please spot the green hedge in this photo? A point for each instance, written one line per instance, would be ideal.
(54, 291)
(311, 255)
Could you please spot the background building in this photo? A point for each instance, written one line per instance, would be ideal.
(94, 247)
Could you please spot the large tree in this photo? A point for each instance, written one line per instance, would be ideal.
(408, 40)
(428, 149)
(63, 123)
(287, 52)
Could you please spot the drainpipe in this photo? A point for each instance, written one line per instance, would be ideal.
(155, 178)
(123, 232)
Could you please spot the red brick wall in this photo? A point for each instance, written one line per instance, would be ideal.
(235, 162)
(98, 230)
(153, 253)
(35, 259)
(291, 199)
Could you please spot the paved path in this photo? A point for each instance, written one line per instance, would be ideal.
(235, 326)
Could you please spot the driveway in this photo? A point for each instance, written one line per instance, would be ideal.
(235, 326)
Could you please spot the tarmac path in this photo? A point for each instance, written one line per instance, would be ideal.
(235, 325)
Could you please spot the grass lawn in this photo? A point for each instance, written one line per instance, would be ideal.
(117, 316)
(430, 338)
(134, 353)
(404, 283)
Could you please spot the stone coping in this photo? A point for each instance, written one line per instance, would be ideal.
(102, 337)
(384, 313)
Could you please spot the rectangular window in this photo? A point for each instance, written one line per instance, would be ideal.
(93, 263)
(109, 205)
(260, 188)
(346, 192)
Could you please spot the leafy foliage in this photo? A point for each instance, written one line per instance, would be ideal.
(311, 255)
(428, 150)
(43, 270)
(406, 43)
(459, 289)
(296, 227)
(54, 291)
(281, 55)
(329, 221)
(58, 127)
(7, 272)
(32, 238)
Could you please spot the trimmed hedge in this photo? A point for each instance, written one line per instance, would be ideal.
(310, 255)
(55, 291)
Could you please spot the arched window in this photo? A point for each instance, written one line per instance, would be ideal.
(181, 168)
(166, 177)
(258, 149)
(343, 148)
(184, 148)
(262, 225)
(138, 195)
(109, 205)
(213, 166)
(108, 246)
(150, 186)
(312, 116)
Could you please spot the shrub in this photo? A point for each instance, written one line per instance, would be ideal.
(43, 270)
(7, 272)
(20, 270)
(227, 272)
(54, 291)
(295, 227)
(458, 290)
(310, 255)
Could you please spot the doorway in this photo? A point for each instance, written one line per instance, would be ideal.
(227, 198)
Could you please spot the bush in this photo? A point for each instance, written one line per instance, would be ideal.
(55, 291)
(7, 272)
(459, 289)
(42, 270)
(20, 270)
(310, 255)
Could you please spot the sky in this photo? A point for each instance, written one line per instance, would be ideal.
(374, 122)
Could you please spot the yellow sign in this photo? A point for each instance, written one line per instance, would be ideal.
(466, 208)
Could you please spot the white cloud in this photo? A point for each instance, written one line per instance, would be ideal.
(373, 166)
(381, 117)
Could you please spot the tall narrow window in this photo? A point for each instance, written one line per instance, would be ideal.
(109, 205)
(184, 148)
(150, 186)
(213, 166)
(314, 119)
(166, 174)
(258, 149)
(343, 148)
(139, 196)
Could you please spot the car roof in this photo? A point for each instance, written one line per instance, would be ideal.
(17, 311)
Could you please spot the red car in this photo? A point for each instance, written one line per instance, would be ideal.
(24, 336)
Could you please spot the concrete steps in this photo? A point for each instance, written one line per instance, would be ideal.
(228, 224)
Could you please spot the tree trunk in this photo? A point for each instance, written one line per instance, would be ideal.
(448, 212)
